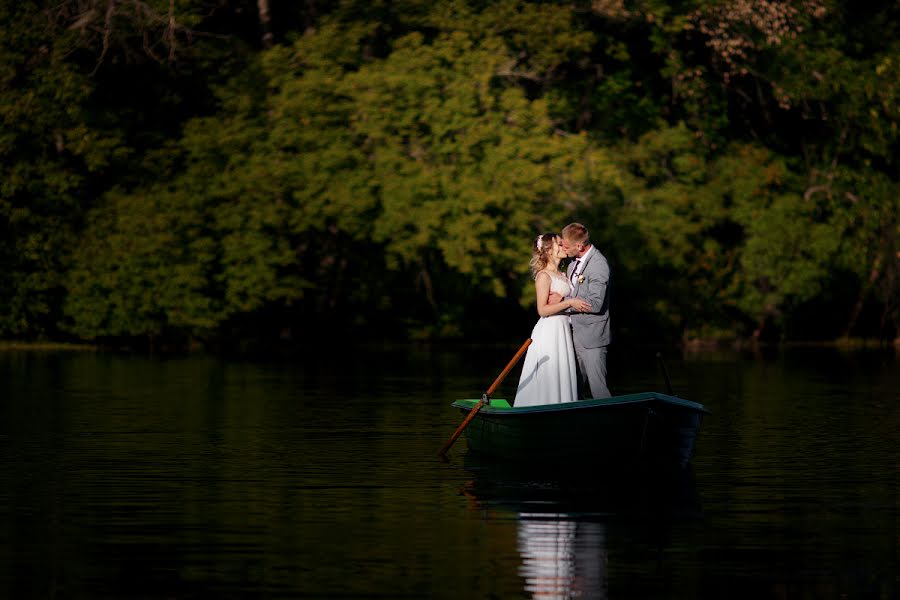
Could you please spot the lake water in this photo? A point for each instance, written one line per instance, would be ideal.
(317, 477)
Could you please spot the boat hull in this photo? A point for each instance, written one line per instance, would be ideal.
(648, 427)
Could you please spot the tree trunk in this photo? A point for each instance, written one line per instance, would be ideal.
(265, 23)
(860, 300)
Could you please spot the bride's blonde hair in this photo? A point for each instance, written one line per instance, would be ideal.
(540, 252)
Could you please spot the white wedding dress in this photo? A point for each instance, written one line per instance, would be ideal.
(548, 373)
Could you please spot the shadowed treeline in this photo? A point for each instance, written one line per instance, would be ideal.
(215, 172)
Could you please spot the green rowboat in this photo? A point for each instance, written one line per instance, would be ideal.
(645, 427)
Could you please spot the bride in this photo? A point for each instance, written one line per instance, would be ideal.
(548, 373)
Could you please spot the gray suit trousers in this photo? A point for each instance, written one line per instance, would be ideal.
(591, 364)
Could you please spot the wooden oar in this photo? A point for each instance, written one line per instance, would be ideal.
(485, 398)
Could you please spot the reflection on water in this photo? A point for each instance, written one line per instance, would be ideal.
(644, 494)
(130, 477)
(562, 558)
(562, 517)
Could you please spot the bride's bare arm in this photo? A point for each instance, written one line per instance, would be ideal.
(544, 307)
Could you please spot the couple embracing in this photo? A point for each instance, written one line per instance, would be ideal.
(567, 356)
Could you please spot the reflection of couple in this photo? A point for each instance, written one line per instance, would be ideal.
(562, 558)
(567, 356)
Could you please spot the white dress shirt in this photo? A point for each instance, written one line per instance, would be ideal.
(579, 263)
(579, 267)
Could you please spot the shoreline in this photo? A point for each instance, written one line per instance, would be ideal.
(689, 345)
(744, 344)
(12, 345)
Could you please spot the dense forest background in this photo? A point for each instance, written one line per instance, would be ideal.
(205, 172)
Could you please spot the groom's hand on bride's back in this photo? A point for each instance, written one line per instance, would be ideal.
(554, 298)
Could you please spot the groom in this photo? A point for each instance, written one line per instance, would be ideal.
(589, 274)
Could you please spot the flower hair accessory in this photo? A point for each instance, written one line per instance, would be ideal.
(539, 242)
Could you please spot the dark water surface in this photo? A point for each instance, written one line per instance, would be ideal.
(317, 477)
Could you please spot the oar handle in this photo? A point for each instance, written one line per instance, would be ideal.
(508, 368)
(484, 398)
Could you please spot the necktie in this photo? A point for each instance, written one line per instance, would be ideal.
(575, 268)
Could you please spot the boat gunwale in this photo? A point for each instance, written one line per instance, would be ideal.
(640, 397)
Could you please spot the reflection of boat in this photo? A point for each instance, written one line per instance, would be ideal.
(567, 520)
(649, 427)
(647, 494)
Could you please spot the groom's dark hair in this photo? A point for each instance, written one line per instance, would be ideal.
(576, 232)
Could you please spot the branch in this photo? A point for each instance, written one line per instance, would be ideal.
(816, 189)
(107, 29)
(171, 30)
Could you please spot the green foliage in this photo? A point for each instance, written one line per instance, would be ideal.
(394, 169)
(48, 151)
(140, 269)
(423, 153)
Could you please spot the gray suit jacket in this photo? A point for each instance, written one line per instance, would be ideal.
(591, 329)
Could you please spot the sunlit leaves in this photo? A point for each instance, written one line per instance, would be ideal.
(727, 157)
